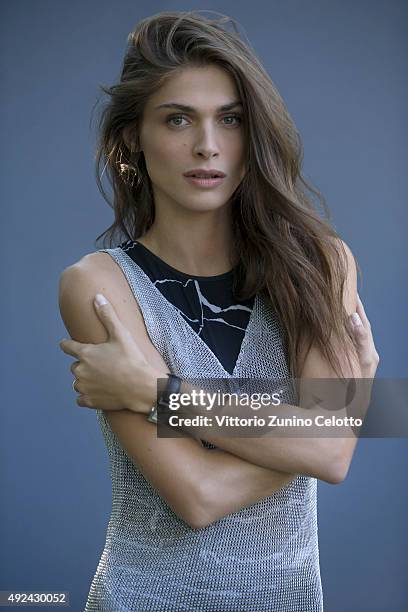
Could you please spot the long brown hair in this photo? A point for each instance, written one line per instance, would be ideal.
(283, 247)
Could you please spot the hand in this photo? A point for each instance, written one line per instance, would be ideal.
(107, 374)
(368, 356)
(113, 375)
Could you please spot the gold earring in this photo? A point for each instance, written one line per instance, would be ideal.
(127, 172)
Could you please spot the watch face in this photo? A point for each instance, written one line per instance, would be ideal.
(152, 417)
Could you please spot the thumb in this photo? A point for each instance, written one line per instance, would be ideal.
(107, 315)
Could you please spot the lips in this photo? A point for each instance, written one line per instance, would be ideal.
(204, 175)
(197, 173)
(205, 182)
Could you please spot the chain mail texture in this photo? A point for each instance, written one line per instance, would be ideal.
(264, 557)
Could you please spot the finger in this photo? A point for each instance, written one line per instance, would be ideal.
(84, 401)
(71, 347)
(361, 337)
(361, 333)
(362, 312)
(107, 315)
(355, 320)
(73, 367)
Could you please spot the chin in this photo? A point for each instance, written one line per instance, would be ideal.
(206, 206)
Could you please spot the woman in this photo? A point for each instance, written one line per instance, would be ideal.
(234, 277)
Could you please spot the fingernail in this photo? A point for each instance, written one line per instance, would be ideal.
(356, 319)
(100, 299)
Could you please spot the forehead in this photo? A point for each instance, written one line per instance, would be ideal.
(204, 88)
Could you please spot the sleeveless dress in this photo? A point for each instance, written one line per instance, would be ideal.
(263, 558)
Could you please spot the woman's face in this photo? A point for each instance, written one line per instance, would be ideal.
(177, 140)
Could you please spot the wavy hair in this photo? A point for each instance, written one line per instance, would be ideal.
(284, 248)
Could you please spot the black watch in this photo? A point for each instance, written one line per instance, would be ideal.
(173, 385)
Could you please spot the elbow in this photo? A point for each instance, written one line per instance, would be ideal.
(191, 515)
(195, 511)
(338, 472)
(333, 460)
(197, 522)
(200, 513)
(338, 469)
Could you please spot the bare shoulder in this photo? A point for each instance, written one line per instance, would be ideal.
(314, 365)
(80, 282)
(350, 284)
(343, 248)
(350, 289)
(96, 273)
(93, 268)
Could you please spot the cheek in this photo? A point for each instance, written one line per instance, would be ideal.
(239, 162)
(236, 150)
(163, 155)
(163, 149)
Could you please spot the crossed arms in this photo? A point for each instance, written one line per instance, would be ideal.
(200, 485)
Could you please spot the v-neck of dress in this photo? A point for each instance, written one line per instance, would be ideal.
(211, 354)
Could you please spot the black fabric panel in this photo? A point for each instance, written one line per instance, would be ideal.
(205, 302)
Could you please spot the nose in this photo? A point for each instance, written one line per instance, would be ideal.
(206, 144)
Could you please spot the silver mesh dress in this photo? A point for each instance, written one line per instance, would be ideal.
(263, 558)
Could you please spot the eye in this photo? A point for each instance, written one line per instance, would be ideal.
(237, 118)
(169, 119)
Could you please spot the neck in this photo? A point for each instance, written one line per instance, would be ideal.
(199, 247)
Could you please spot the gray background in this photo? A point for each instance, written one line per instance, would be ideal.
(340, 67)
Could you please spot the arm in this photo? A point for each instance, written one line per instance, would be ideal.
(233, 483)
(188, 476)
(324, 458)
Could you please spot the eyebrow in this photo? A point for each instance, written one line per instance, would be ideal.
(191, 109)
